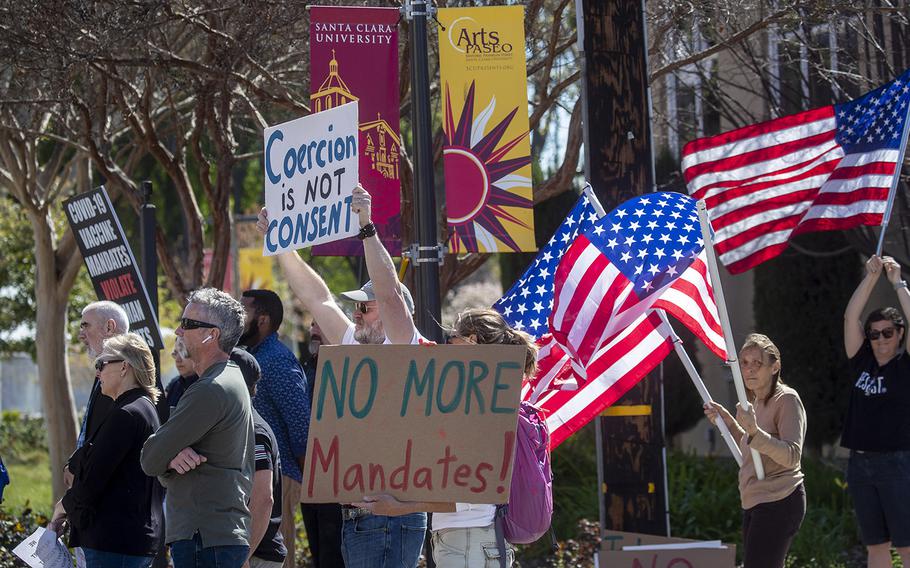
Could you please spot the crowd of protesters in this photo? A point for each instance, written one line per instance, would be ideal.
(211, 468)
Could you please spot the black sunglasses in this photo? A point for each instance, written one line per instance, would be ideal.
(364, 307)
(187, 323)
(99, 365)
(887, 333)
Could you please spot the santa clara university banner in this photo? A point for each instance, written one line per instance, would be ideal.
(354, 57)
(486, 153)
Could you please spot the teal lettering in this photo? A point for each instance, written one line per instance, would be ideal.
(458, 366)
(420, 385)
(497, 386)
(477, 371)
(374, 384)
(338, 394)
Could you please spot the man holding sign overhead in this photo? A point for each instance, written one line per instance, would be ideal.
(388, 541)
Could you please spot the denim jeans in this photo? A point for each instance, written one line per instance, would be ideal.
(190, 554)
(374, 541)
(101, 559)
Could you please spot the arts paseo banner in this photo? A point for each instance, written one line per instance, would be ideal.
(486, 152)
(422, 423)
(354, 57)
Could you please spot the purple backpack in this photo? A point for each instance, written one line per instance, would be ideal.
(527, 516)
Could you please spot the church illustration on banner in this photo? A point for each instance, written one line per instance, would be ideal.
(382, 142)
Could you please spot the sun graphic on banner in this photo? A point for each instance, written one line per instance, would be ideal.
(480, 183)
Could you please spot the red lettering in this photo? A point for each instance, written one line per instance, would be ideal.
(404, 471)
(350, 482)
(637, 564)
(376, 470)
(326, 461)
(444, 462)
(423, 478)
(461, 472)
(483, 480)
(682, 561)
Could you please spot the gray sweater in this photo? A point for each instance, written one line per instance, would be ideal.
(214, 418)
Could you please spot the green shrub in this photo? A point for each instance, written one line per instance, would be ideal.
(13, 530)
(21, 437)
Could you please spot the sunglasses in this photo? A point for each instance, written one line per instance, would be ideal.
(364, 307)
(99, 365)
(187, 323)
(887, 333)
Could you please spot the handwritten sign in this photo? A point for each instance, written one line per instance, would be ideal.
(650, 551)
(110, 261)
(311, 170)
(422, 423)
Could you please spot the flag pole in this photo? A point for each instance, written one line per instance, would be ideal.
(595, 203)
(700, 386)
(732, 361)
(897, 178)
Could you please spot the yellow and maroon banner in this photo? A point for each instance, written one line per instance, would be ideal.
(486, 153)
(354, 57)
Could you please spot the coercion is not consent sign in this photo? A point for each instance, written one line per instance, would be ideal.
(110, 261)
(422, 423)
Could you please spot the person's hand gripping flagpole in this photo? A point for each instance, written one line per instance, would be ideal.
(732, 357)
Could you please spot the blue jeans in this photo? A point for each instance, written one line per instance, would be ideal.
(374, 541)
(101, 559)
(190, 554)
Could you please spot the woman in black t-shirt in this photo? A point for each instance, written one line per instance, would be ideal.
(877, 425)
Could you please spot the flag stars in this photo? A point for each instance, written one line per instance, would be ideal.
(652, 224)
(544, 272)
(598, 230)
(659, 253)
(541, 290)
(538, 307)
(634, 226)
(664, 238)
(639, 213)
(522, 309)
(630, 240)
(525, 292)
(612, 243)
(616, 227)
(546, 257)
(653, 269)
(647, 239)
(625, 257)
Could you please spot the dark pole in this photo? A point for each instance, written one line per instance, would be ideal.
(425, 256)
(149, 265)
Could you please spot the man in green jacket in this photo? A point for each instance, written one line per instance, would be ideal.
(204, 454)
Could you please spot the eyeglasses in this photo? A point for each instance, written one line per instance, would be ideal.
(187, 323)
(364, 307)
(99, 365)
(887, 333)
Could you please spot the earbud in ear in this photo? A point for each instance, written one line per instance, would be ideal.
(207, 339)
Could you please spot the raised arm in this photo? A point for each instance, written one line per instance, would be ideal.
(854, 335)
(311, 289)
(893, 272)
(396, 318)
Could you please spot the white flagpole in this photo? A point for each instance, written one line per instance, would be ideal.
(725, 323)
(702, 389)
(595, 203)
(897, 176)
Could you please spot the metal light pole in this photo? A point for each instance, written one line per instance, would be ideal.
(426, 253)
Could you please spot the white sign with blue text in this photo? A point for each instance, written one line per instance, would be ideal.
(311, 170)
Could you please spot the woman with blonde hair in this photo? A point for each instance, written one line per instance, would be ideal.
(113, 508)
(775, 426)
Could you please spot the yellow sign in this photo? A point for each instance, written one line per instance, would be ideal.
(255, 270)
(486, 152)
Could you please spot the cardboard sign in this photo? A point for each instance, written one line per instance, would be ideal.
(110, 262)
(420, 422)
(613, 555)
(311, 170)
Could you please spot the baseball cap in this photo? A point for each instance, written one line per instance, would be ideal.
(249, 367)
(367, 294)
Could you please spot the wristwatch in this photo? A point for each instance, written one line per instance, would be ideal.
(900, 284)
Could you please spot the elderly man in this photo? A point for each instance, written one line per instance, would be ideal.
(186, 374)
(204, 453)
(368, 541)
(281, 399)
(100, 320)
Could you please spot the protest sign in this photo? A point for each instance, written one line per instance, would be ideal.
(634, 550)
(311, 170)
(110, 261)
(422, 423)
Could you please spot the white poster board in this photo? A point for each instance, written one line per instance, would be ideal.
(311, 170)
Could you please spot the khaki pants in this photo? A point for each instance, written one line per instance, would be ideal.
(468, 548)
(290, 500)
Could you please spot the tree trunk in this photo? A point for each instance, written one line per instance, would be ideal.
(51, 346)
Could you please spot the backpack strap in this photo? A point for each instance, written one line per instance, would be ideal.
(499, 529)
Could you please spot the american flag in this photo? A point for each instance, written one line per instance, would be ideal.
(569, 392)
(645, 254)
(824, 169)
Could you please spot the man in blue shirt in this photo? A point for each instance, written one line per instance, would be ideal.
(281, 399)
